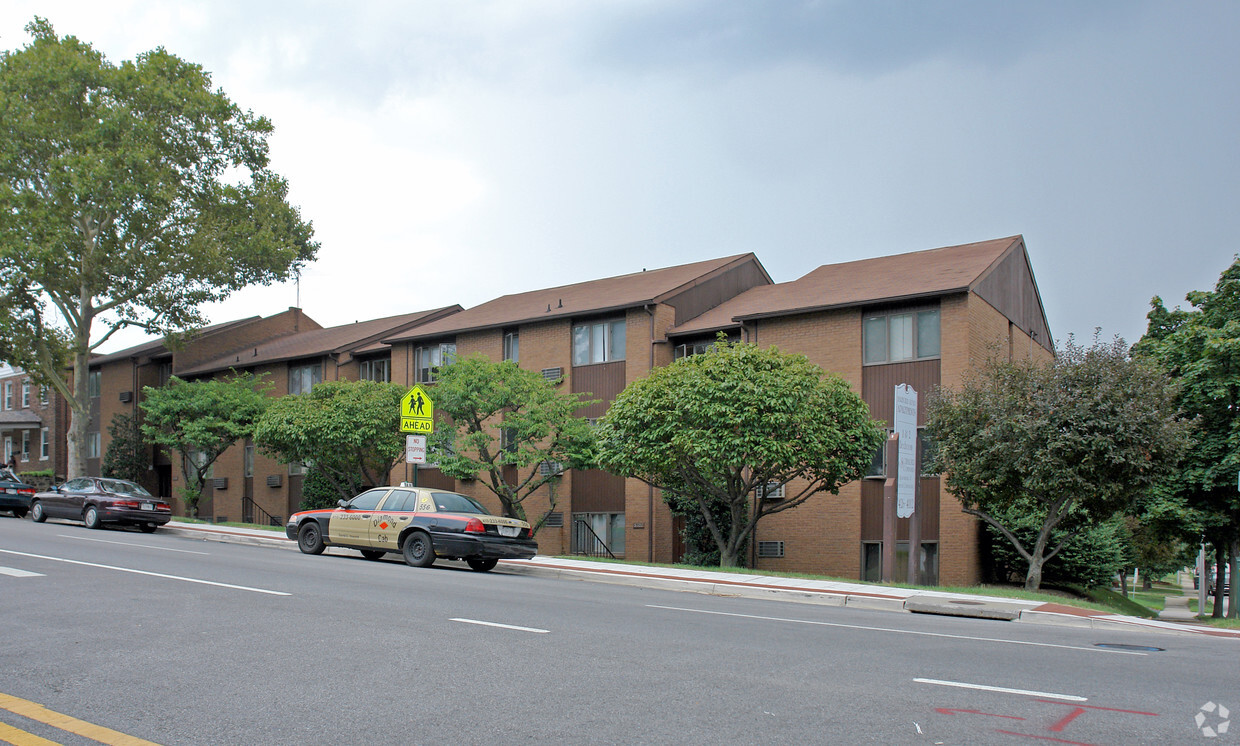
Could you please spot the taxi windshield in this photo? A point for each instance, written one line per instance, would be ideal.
(451, 502)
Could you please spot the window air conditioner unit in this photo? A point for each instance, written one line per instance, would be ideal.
(275, 480)
(770, 549)
(221, 483)
(126, 396)
(553, 374)
(550, 469)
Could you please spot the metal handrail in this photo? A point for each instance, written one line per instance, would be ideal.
(249, 508)
(584, 535)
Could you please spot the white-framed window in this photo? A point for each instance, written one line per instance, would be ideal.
(897, 337)
(93, 443)
(598, 342)
(428, 359)
(26, 393)
(8, 394)
(699, 346)
(25, 445)
(301, 378)
(379, 369)
(199, 458)
(45, 445)
(593, 531)
(44, 394)
(772, 491)
(8, 448)
(94, 382)
(512, 346)
(296, 469)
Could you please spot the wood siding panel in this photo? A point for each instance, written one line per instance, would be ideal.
(710, 293)
(878, 384)
(603, 381)
(597, 491)
(1011, 289)
(872, 511)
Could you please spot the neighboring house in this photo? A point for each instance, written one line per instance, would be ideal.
(597, 336)
(246, 485)
(924, 319)
(34, 421)
(117, 379)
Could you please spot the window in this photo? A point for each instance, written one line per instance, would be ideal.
(93, 380)
(249, 461)
(367, 500)
(878, 466)
(376, 370)
(701, 346)
(872, 562)
(92, 445)
(772, 491)
(400, 500)
(25, 445)
(429, 359)
(43, 394)
(599, 342)
(198, 458)
(512, 347)
(301, 378)
(8, 394)
(591, 530)
(165, 372)
(896, 337)
(26, 393)
(296, 469)
(44, 445)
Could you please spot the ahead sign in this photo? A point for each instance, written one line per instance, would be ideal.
(417, 412)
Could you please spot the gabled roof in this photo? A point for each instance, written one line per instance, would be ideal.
(885, 279)
(595, 296)
(156, 347)
(317, 342)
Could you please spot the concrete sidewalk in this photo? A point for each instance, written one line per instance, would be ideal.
(826, 592)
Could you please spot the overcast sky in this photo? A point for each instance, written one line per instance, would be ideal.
(452, 152)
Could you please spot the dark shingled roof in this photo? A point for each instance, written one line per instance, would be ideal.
(157, 346)
(864, 282)
(316, 342)
(595, 296)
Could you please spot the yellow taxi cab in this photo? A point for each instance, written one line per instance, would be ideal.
(420, 523)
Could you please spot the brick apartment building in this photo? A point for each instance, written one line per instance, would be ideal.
(922, 318)
(34, 421)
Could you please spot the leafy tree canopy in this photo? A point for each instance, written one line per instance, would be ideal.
(727, 425)
(1200, 349)
(501, 417)
(202, 419)
(347, 432)
(129, 195)
(1070, 442)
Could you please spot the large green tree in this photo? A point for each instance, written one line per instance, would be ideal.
(725, 427)
(1200, 349)
(1065, 444)
(200, 420)
(505, 421)
(346, 432)
(129, 195)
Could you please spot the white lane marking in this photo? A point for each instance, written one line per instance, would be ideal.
(900, 631)
(502, 626)
(151, 574)
(130, 544)
(1002, 689)
(15, 573)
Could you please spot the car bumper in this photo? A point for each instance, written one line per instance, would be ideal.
(134, 517)
(466, 546)
(10, 501)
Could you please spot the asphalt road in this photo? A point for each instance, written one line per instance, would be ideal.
(187, 642)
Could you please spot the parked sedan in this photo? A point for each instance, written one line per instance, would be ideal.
(99, 500)
(14, 493)
(421, 524)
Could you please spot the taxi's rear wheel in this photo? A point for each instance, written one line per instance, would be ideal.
(372, 554)
(482, 565)
(148, 528)
(418, 550)
(310, 538)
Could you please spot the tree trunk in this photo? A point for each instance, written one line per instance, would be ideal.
(1123, 581)
(79, 414)
(1233, 611)
(1220, 567)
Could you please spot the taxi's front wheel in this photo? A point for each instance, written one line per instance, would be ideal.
(418, 550)
(310, 538)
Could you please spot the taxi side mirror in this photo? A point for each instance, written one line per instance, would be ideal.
(342, 503)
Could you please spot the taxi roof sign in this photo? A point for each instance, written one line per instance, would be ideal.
(417, 412)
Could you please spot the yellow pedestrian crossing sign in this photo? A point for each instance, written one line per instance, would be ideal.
(417, 412)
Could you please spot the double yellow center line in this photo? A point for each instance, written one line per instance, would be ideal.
(39, 713)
